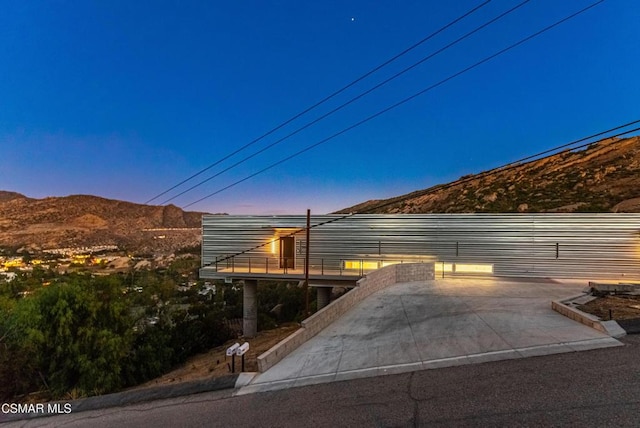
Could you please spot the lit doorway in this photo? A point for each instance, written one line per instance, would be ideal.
(287, 252)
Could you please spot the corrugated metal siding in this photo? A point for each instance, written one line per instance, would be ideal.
(593, 246)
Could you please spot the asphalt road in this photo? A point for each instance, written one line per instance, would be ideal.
(591, 388)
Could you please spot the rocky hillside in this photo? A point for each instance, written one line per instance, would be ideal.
(81, 220)
(604, 177)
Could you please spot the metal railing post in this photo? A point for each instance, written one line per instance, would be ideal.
(249, 264)
(266, 265)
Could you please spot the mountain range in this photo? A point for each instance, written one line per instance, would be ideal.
(86, 221)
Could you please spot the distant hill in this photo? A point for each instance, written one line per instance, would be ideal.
(8, 196)
(604, 177)
(83, 220)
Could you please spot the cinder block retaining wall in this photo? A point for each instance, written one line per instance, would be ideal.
(370, 284)
(577, 315)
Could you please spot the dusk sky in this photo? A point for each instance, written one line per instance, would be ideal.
(125, 99)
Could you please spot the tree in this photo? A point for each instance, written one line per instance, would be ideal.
(16, 363)
(150, 356)
(83, 334)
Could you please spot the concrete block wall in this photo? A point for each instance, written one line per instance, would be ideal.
(407, 272)
(370, 284)
(576, 315)
(567, 308)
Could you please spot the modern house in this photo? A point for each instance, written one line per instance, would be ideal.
(343, 248)
(590, 246)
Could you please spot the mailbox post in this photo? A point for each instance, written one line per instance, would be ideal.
(241, 351)
(231, 352)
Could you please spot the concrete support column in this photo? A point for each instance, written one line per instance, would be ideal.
(250, 308)
(324, 296)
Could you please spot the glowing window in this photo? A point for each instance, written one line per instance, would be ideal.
(446, 267)
(463, 267)
(360, 264)
(473, 268)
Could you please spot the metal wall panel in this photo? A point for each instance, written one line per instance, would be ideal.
(593, 246)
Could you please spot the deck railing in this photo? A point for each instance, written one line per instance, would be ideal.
(317, 266)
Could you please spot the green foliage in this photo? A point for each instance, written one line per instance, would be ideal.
(175, 338)
(266, 321)
(76, 334)
(150, 356)
(289, 300)
(197, 330)
(184, 267)
(232, 300)
(16, 364)
(82, 335)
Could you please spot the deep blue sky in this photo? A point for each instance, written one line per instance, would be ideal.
(124, 99)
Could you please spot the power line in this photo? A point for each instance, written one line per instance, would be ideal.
(399, 103)
(352, 100)
(555, 149)
(285, 236)
(327, 98)
(439, 187)
(500, 169)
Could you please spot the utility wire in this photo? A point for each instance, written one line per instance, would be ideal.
(327, 98)
(352, 100)
(284, 236)
(399, 103)
(507, 167)
(555, 149)
(439, 187)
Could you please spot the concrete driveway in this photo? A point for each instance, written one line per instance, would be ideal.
(431, 324)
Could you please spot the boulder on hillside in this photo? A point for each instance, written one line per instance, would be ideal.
(627, 206)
